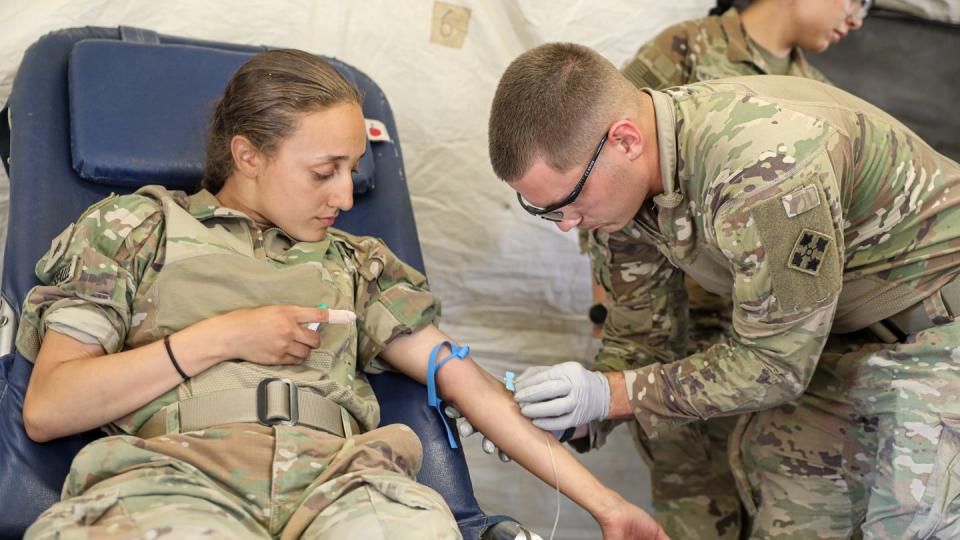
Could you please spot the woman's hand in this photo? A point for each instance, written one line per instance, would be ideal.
(631, 522)
(270, 335)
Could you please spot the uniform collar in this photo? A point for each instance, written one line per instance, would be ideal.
(203, 205)
(738, 44)
(798, 64)
(739, 49)
(667, 147)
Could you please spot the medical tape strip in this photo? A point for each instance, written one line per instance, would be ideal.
(432, 367)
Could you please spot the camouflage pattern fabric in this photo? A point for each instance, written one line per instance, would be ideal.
(138, 267)
(705, 49)
(882, 455)
(135, 268)
(693, 488)
(820, 213)
(286, 483)
(692, 51)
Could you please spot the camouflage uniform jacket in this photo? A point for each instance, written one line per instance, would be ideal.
(137, 267)
(702, 50)
(818, 211)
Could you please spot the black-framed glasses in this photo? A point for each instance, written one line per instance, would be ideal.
(553, 212)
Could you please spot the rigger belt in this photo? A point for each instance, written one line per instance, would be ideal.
(275, 401)
(918, 317)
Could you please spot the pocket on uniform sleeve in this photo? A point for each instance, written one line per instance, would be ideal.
(101, 280)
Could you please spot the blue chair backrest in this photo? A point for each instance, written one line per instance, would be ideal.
(77, 112)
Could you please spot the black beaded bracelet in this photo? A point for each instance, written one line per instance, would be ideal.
(173, 360)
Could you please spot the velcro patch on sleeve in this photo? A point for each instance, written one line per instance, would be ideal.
(801, 251)
(800, 200)
(58, 248)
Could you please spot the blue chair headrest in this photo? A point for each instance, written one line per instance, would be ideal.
(115, 90)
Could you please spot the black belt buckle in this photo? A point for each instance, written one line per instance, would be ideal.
(262, 403)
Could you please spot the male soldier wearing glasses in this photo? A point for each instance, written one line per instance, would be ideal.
(834, 229)
(692, 485)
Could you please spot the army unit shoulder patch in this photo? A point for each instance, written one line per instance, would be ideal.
(808, 252)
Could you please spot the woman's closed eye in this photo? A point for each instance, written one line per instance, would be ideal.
(324, 175)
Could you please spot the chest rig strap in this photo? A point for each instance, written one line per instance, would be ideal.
(940, 308)
(275, 401)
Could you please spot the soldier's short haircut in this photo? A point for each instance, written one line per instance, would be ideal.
(554, 102)
(263, 101)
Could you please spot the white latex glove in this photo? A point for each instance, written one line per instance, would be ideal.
(562, 396)
(465, 429)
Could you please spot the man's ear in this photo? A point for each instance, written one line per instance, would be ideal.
(628, 138)
(246, 158)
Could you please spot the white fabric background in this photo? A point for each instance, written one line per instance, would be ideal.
(947, 11)
(513, 287)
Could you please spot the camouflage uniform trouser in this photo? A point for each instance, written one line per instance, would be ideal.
(872, 448)
(693, 488)
(694, 493)
(249, 481)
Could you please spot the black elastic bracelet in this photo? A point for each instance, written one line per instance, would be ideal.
(166, 343)
(567, 434)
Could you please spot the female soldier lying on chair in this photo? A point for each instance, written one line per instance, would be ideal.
(177, 322)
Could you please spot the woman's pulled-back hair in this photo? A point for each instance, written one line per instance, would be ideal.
(262, 102)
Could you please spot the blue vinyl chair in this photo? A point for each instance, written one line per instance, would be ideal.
(101, 110)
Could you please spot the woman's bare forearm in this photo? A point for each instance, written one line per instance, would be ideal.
(485, 402)
(75, 387)
(492, 411)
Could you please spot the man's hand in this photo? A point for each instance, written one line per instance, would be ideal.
(466, 429)
(562, 396)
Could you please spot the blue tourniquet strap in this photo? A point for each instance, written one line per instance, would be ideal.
(432, 367)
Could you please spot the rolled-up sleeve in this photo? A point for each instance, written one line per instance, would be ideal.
(393, 299)
(90, 275)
